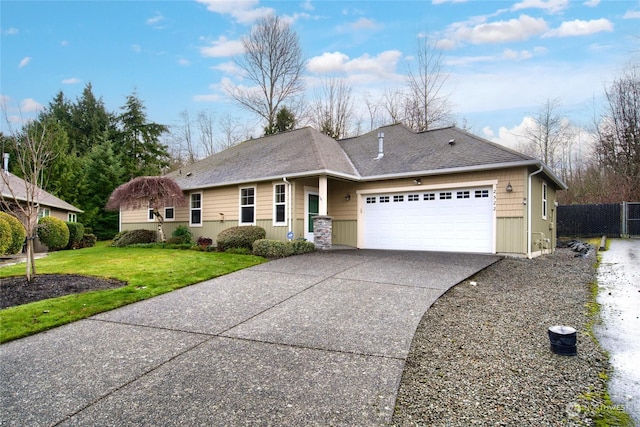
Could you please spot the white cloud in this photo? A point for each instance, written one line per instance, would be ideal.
(212, 97)
(11, 31)
(580, 28)
(632, 14)
(448, 1)
(29, 105)
(244, 12)
(25, 61)
(136, 48)
(500, 31)
(155, 19)
(290, 19)
(591, 3)
(382, 65)
(550, 6)
(229, 67)
(64, 43)
(184, 62)
(222, 47)
(306, 5)
(71, 81)
(365, 24)
(506, 55)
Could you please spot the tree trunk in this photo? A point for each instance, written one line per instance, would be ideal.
(31, 263)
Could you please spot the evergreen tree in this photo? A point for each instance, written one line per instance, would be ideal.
(285, 121)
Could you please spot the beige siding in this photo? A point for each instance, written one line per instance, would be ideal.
(511, 236)
(345, 233)
(338, 207)
(542, 229)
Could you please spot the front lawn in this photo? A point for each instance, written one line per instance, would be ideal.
(148, 273)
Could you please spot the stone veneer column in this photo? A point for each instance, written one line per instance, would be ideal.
(322, 230)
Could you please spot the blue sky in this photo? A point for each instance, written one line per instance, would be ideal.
(504, 58)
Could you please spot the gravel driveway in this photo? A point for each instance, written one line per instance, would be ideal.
(481, 353)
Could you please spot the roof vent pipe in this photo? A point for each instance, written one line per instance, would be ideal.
(5, 157)
(380, 146)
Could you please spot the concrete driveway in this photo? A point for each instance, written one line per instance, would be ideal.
(319, 339)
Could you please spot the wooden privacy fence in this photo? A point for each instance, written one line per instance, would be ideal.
(611, 220)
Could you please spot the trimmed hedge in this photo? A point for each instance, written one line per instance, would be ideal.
(5, 236)
(278, 249)
(18, 233)
(240, 237)
(76, 232)
(126, 238)
(53, 233)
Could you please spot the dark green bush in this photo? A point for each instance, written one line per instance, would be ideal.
(272, 248)
(134, 236)
(18, 233)
(88, 241)
(240, 237)
(302, 246)
(76, 231)
(53, 233)
(181, 235)
(5, 236)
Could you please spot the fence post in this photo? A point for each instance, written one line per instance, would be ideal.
(624, 216)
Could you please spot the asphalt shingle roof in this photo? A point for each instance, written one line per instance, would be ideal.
(306, 152)
(19, 189)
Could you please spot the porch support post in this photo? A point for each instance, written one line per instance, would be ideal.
(323, 193)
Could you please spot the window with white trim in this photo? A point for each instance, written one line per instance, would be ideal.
(384, 199)
(195, 210)
(544, 200)
(371, 200)
(445, 195)
(72, 217)
(399, 198)
(413, 197)
(462, 194)
(481, 194)
(169, 214)
(429, 196)
(44, 212)
(280, 204)
(248, 206)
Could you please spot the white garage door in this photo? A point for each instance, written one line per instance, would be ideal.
(452, 220)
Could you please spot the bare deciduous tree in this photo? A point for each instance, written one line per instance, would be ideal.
(333, 108)
(154, 192)
(206, 129)
(232, 132)
(549, 135)
(33, 149)
(273, 61)
(618, 145)
(182, 137)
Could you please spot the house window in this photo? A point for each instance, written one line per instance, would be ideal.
(413, 197)
(195, 209)
(544, 200)
(462, 194)
(280, 204)
(398, 198)
(384, 199)
(371, 200)
(169, 214)
(247, 206)
(71, 217)
(429, 196)
(44, 212)
(150, 215)
(481, 194)
(445, 196)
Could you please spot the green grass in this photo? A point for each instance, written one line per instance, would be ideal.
(147, 272)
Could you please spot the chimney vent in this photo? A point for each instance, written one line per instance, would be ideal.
(380, 146)
(5, 157)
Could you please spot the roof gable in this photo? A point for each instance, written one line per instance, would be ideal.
(19, 187)
(298, 152)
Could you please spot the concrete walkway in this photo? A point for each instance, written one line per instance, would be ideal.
(319, 339)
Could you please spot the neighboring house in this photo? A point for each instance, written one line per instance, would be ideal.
(392, 188)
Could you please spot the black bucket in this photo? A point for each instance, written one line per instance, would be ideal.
(563, 340)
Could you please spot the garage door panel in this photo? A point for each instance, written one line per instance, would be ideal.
(452, 220)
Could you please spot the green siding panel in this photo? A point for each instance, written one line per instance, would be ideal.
(511, 236)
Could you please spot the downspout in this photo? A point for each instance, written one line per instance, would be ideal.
(529, 211)
(289, 219)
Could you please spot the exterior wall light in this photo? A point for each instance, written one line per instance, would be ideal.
(509, 187)
(417, 181)
(347, 197)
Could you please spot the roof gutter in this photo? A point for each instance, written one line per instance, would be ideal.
(529, 210)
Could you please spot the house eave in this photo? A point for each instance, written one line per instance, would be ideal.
(463, 169)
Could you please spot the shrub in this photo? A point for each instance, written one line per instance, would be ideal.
(302, 246)
(127, 238)
(240, 237)
(76, 231)
(18, 233)
(272, 248)
(239, 251)
(181, 235)
(204, 242)
(88, 241)
(53, 233)
(5, 236)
